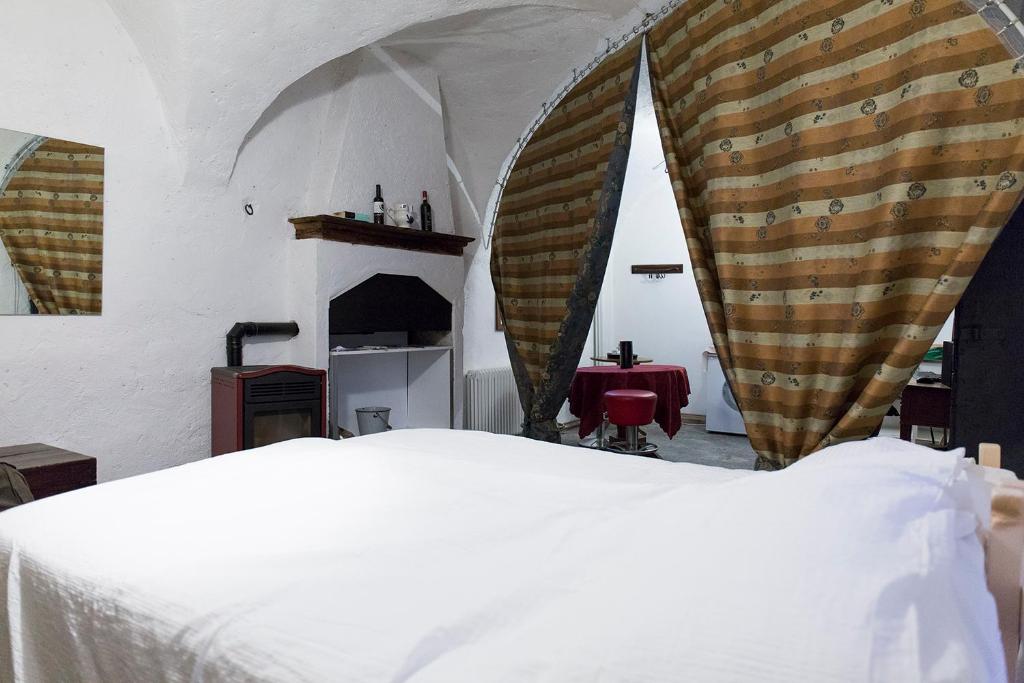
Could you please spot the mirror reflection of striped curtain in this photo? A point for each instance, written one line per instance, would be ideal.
(553, 233)
(51, 223)
(841, 169)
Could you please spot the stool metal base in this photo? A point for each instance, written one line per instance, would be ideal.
(647, 450)
(634, 441)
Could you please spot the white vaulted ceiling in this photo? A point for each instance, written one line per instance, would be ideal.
(218, 64)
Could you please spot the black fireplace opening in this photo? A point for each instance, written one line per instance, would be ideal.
(390, 310)
(281, 406)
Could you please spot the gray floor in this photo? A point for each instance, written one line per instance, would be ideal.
(693, 444)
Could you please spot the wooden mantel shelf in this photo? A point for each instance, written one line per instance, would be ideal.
(338, 229)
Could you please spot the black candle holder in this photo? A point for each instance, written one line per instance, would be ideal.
(625, 355)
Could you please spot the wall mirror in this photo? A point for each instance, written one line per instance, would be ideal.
(51, 226)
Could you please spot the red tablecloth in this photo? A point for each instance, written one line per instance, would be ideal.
(669, 382)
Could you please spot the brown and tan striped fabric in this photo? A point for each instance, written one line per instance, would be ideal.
(554, 229)
(51, 223)
(841, 169)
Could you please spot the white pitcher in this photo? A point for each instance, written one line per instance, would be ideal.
(401, 215)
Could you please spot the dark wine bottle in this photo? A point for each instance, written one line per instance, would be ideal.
(426, 215)
(378, 208)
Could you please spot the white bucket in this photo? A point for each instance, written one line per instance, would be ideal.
(373, 420)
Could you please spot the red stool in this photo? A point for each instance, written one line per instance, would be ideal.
(630, 409)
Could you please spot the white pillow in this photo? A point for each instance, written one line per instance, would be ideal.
(860, 563)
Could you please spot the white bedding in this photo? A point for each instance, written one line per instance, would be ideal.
(432, 555)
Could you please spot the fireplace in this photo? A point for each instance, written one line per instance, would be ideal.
(256, 406)
(391, 346)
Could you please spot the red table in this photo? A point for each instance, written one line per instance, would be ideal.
(669, 382)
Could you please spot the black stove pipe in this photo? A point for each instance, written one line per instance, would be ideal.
(239, 331)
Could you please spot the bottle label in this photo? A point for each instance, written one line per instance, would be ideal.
(378, 207)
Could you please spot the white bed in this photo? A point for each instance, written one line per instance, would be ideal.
(435, 555)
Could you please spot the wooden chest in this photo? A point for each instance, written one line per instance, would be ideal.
(50, 470)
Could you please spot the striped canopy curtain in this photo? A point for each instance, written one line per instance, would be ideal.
(51, 223)
(841, 169)
(553, 233)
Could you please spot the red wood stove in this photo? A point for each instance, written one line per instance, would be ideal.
(258, 405)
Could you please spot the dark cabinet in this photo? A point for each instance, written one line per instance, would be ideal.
(50, 470)
(988, 363)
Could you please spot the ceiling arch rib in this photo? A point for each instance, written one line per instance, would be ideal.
(220, 64)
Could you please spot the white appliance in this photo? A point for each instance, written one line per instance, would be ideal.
(723, 414)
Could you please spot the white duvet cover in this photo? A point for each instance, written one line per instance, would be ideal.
(430, 555)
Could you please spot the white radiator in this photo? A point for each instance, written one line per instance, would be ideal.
(492, 402)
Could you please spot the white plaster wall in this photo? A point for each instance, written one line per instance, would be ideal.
(485, 347)
(392, 137)
(220, 63)
(96, 384)
(946, 333)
